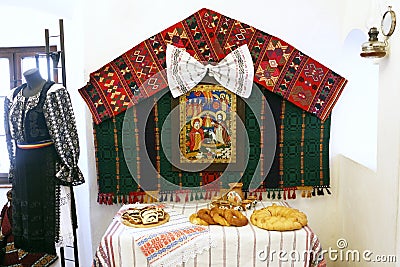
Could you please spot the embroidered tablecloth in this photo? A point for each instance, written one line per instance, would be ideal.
(233, 246)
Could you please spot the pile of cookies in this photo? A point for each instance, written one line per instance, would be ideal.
(234, 200)
(144, 217)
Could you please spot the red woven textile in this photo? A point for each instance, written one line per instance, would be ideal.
(210, 36)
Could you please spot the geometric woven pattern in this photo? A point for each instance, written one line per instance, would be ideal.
(209, 36)
(301, 158)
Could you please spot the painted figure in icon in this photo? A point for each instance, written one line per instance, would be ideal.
(220, 129)
(196, 134)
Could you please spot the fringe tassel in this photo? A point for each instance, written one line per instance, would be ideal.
(305, 191)
(131, 198)
(327, 190)
(110, 199)
(135, 198)
(320, 192)
(294, 194)
(150, 198)
(208, 193)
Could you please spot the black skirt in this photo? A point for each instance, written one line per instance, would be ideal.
(35, 222)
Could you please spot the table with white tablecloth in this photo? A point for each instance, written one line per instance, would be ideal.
(228, 246)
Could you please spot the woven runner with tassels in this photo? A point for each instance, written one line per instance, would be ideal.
(301, 161)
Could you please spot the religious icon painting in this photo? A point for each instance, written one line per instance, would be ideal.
(208, 125)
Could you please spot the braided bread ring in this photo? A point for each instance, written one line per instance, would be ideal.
(196, 220)
(218, 216)
(205, 215)
(235, 217)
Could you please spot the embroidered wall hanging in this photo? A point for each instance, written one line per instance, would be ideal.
(297, 90)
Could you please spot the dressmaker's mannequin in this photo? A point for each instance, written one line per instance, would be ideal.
(34, 82)
(43, 156)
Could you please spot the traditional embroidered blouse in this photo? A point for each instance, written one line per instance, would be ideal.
(60, 121)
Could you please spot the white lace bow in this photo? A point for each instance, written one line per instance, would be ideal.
(235, 72)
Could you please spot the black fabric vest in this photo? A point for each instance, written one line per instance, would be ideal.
(35, 127)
